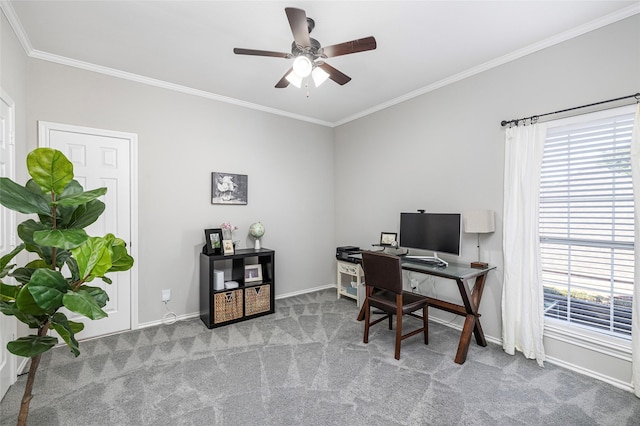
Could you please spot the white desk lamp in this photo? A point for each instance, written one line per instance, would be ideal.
(479, 222)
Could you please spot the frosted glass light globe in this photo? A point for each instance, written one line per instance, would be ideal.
(302, 66)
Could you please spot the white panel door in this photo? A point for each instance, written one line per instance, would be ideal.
(103, 158)
(8, 361)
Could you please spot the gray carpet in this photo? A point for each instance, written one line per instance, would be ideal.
(306, 365)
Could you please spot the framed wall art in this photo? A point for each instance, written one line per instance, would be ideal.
(213, 241)
(228, 188)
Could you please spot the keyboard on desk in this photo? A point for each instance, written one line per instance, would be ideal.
(428, 262)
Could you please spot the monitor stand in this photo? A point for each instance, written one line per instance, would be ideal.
(429, 259)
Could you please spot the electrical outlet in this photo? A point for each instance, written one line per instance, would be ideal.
(166, 295)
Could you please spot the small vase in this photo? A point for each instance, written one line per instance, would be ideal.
(226, 234)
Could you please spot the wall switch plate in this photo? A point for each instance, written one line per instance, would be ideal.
(166, 295)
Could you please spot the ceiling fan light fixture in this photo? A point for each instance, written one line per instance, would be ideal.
(294, 79)
(302, 66)
(319, 76)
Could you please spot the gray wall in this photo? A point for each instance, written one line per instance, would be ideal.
(444, 151)
(181, 140)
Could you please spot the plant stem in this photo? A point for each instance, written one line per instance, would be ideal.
(54, 226)
(27, 396)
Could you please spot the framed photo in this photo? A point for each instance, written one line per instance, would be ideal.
(228, 188)
(227, 247)
(213, 241)
(252, 273)
(389, 239)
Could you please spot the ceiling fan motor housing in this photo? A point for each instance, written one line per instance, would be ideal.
(312, 50)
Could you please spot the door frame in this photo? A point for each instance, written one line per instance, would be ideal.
(12, 323)
(45, 126)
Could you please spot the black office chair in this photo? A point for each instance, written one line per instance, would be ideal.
(383, 279)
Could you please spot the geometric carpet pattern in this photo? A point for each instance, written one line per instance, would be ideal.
(306, 365)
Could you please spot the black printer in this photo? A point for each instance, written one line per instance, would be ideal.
(345, 253)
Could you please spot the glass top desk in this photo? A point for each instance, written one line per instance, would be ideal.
(461, 274)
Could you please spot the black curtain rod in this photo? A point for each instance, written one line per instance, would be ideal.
(536, 117)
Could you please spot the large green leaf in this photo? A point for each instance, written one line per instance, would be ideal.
(67, 329)
(27, 228)
(51, 170)
(31, 345)
(93, 257)
(99, 295)
(64, 214)
(85, 214)
(120, 259)
(81, 302)
(82, 198)
(18, 198)
(61, 238)
(47, 288)
(26, 303)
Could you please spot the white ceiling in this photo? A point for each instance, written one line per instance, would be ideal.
(188, 45)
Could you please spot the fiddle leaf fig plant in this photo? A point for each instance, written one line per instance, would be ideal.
(66, 259)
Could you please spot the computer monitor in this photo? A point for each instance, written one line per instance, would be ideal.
(436, 232)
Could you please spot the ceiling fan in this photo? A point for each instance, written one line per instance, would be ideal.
(309, 54)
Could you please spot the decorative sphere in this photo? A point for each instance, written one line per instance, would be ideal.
(256, 230)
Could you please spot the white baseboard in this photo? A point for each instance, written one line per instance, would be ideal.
(162, 321)
(607, 379)
(305, 291)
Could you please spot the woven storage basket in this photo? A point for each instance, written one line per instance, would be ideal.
(257, 299)
(227, 306)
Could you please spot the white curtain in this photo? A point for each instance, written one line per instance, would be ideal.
(522, 294)
(635, 322)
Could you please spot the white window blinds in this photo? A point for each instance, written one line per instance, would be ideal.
(586, 224)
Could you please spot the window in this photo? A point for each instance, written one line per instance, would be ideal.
(586, 222)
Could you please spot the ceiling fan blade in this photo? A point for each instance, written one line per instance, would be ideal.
(353, 46)
(334, 74)
(283, 81)
(240, 51)
(298, 23)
